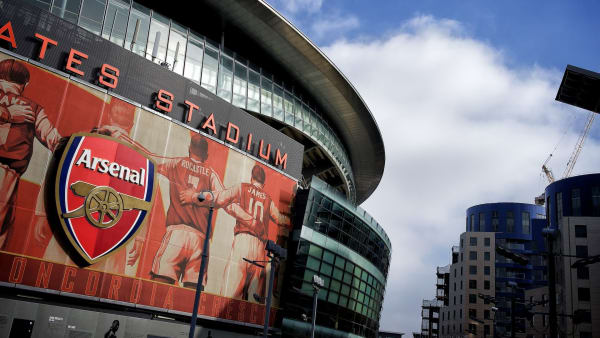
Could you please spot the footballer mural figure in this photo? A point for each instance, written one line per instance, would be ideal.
(21, 121)
(250, 232)
(179, 255)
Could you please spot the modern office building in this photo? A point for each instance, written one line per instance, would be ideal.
(117, 115)
(430, 318)
(573, 208)
(478, 270)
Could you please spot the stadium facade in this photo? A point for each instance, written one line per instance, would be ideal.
(116, 115)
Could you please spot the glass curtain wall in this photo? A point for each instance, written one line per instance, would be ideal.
(240, 85)
(266, 97)
(156, 51)
(92, 15)
(210, 67)
(253, 91)
(115, 21)
(176, 48)
(193, 58)
(225, 79)
(67, 9)
(138, 27)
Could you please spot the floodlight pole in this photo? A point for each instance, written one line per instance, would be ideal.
(199, 286)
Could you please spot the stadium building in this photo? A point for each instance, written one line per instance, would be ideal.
(125, 124)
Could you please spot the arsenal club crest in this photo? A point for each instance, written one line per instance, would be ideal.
(104, 191)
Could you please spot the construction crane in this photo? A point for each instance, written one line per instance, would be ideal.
(572, 160)
(579, 145)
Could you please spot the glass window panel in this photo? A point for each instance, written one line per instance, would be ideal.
(157, 38)
(323, 295)
(359, 307)
(308, 275)
(278, 102)
(345, 289)
(43, 4)
(137, 39)
(115, 21)
(315, 251)
(326, 269)
(350, 267)
(92, 15)
(357, 271)
(339, 262)
(312, 263)
(210, 66)
(253, 91)
(266, 97)
(67, 9)
(335, 286)
(225, 78)
(328, 257)
(351, 304)
(343, 301)
(289, 108)
(326, 281)
(193, 58)
(333, 297)
(361, 297)
(306, 117)
(176, 48)
(240, 85)
(337, 273)
(297, 113)
(356, 282)
(347, 278)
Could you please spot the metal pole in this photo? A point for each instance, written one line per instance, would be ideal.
(274, 262)
(512, 317)
(552, 288)
(199, 286)
(314, 312)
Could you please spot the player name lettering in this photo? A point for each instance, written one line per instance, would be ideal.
(257, 193)
(7, 100)
(112, 168)
(198, 169)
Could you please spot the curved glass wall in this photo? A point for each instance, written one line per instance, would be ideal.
(345, 247)
(228, 75)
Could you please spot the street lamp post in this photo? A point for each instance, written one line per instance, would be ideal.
(276, 253)
(199, 286)
(317, 284)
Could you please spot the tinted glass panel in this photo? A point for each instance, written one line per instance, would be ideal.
(210, 66)
(137, 29)
(115, 22)
(157, 39)
(92, 15)
(193, 58)
(67, 9)
(177, 47)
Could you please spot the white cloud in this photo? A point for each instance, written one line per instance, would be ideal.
(296, 6)
(460, 128)
(333, 26)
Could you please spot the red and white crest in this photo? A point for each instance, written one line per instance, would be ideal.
(104, 192)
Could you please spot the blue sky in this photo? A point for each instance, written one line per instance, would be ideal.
(548, 33)
(463, 93)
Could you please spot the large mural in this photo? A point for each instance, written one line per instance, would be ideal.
(158, 264)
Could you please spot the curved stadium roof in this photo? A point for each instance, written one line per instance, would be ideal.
(343, 106)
